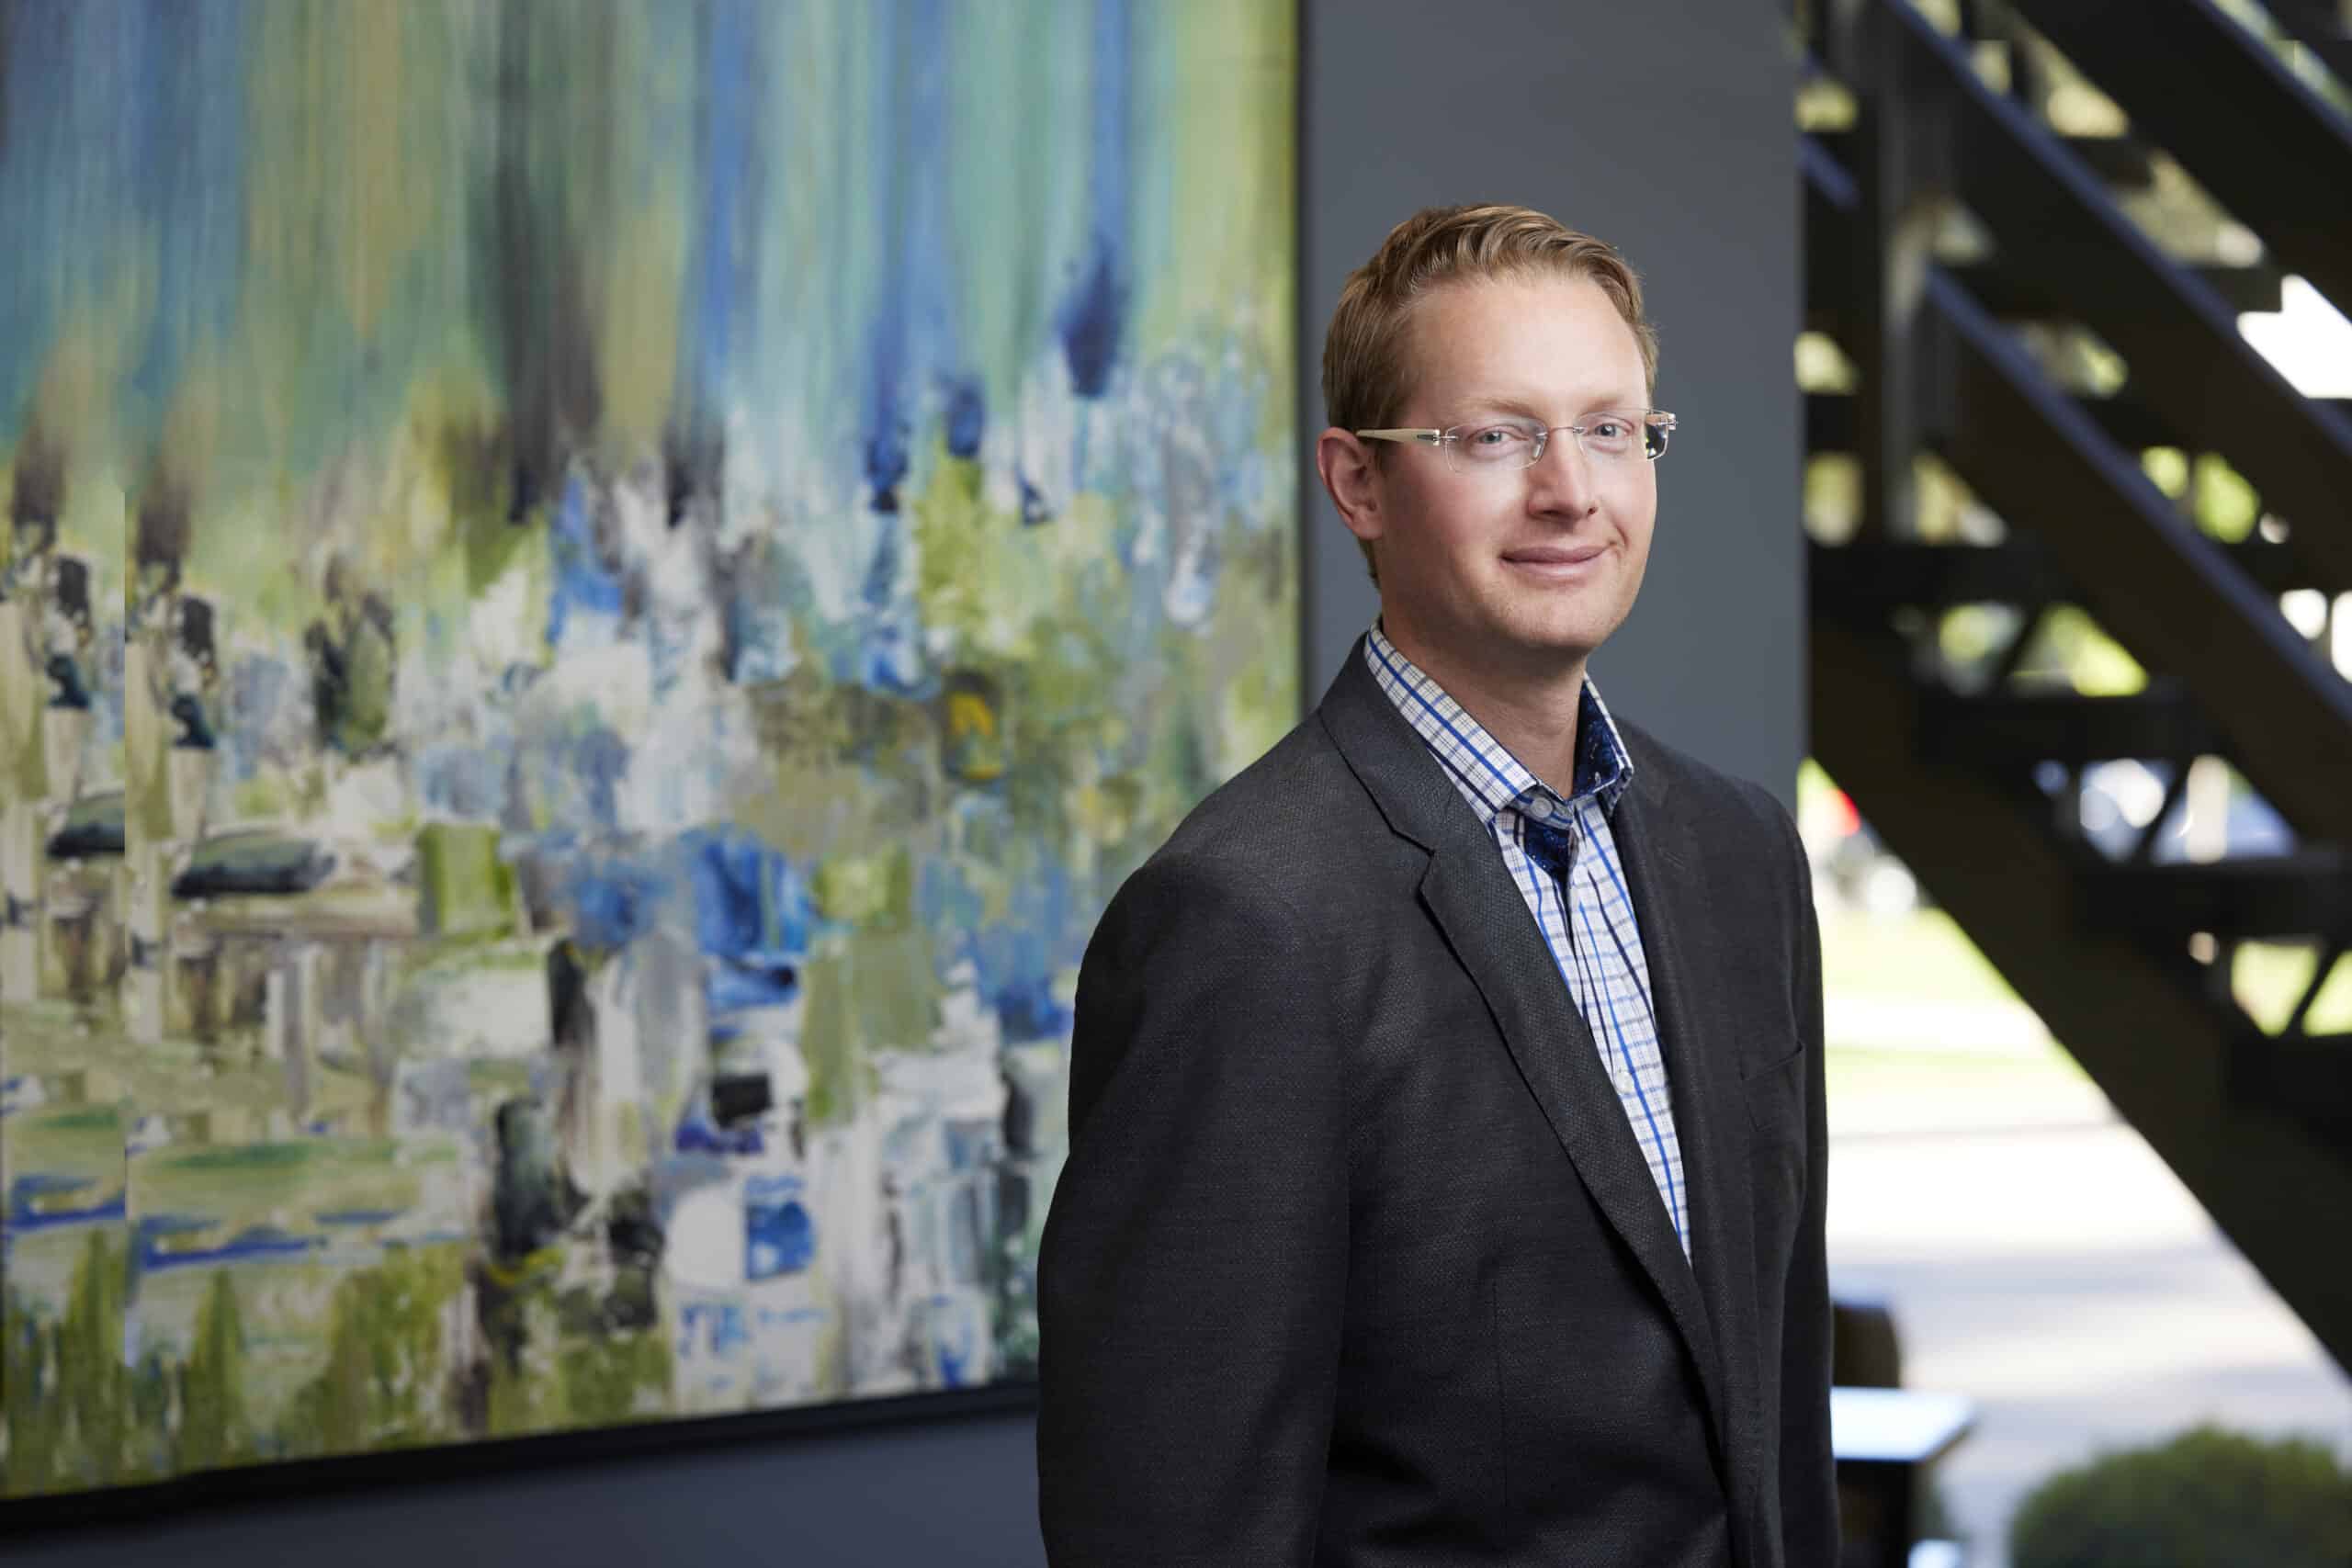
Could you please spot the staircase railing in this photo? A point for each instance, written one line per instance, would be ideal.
(2127, 956)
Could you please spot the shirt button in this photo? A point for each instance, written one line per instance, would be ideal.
(1540, 808)
(1625, 1081)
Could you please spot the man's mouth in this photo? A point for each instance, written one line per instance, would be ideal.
(1556, 561)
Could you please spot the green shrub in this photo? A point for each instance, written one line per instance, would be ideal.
(2207, 1499)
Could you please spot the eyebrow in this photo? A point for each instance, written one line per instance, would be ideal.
(1515, 405)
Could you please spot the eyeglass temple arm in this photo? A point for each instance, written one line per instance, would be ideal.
(1426, 437)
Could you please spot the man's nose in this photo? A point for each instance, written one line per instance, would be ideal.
(1561, 478)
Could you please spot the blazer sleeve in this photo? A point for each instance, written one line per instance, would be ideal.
(1808, 1469)
(1194, 1267)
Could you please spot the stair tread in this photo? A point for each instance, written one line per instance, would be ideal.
(1830, 418)
(2313, 863)
(2122, 161)
(2305, 893)
(2312, 1073)
(2012, 729)
(2260, 156)
(1907, 572)
(2163, 693)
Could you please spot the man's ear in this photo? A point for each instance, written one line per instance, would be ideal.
(1345, 462)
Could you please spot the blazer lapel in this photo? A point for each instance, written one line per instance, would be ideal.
(1710, 1117)
(1468, 891)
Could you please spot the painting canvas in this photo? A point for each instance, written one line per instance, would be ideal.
(594, 599)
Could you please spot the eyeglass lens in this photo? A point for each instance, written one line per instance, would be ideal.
(1507, 444)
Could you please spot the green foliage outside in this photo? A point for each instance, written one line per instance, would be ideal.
(2209, 1498)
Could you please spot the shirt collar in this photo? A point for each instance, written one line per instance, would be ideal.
(1488, 776)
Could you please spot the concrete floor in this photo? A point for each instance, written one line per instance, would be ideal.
(2040, 1260)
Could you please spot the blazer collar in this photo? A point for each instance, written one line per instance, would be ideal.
(1469, 893)
(1415, 794)
(1488, 775)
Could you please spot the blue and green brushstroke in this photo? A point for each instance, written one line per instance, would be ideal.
(595, 599)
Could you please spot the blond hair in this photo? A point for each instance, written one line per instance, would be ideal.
(1364, 349)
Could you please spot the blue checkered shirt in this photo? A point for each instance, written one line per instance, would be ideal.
(1579, 904)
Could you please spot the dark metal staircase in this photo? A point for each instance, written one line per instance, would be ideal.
(2323, 27)
(1974, 770)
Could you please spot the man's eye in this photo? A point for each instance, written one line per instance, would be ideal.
(1497, 435)
(1611, 430)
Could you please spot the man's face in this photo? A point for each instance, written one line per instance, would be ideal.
(1521, 572)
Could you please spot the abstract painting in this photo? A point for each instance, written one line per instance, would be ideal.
(594, 599)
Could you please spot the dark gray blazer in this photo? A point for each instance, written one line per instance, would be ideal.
(1355, 1259)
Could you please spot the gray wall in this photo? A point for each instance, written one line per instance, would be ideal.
(1662, 126)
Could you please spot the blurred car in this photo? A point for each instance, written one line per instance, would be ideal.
(2120, 798)
(1849, 861)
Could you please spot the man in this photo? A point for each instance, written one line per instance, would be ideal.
(1447, 1157)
